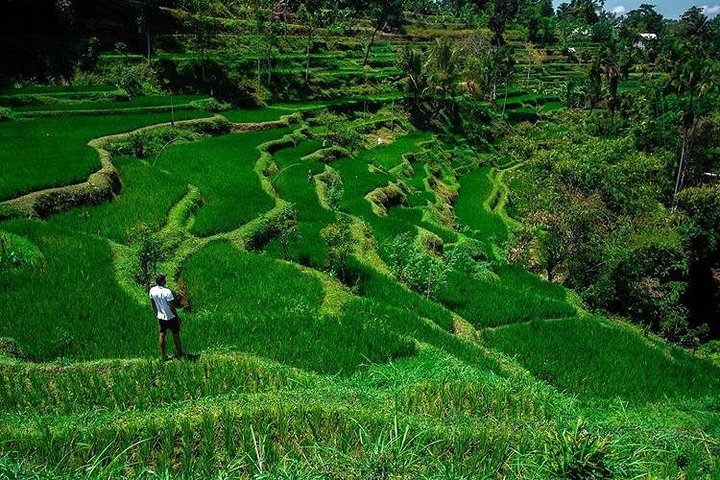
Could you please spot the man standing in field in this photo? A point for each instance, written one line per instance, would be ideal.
(161, 299)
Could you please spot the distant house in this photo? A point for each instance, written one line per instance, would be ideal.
(644, 39)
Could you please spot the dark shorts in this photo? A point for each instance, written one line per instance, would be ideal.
(173, 325)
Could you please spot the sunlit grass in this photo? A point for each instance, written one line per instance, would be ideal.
(223, 169)
(595, 358)
(53, 152)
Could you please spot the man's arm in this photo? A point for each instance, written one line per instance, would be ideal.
(154, 307)
(171, 303)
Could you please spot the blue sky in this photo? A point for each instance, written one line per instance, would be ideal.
(669, 8)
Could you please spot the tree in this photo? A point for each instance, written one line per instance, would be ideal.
(488, 65)
(143, 24)
(201, 26)
(340, 245)
(693, 74)
(644, 19)
(385, 15)
(317, 15)
(505, 11)
(536, 57)
(263, 36)
(416, 86)
(584, 10)
(444, 68)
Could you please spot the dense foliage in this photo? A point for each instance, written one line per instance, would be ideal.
(433, 239)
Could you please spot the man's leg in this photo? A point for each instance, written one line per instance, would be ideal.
(161, 345)
(178, 344)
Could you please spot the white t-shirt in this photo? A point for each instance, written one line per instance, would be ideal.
(162, 297)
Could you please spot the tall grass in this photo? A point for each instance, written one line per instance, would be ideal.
(492, 302)
(472, 211)
(595, 358)
(291, 183)
(139, 384)
(53, 152)
(147, 195)
(267, 114)
(222, 168)
(257, 304)
(71, 306)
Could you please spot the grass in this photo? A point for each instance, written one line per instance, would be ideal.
(472, 210)
(149, 102)
(299, 376)
(147, 195)
(52, 152)
(81, 313)
(57, 89)
(291, 183)
(594, 358)
(511, 298)
(258, 304)
(267, 114)
(222, 168)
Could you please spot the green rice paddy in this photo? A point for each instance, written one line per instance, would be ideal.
(302, 373)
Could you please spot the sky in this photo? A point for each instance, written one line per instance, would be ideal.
(669, 8)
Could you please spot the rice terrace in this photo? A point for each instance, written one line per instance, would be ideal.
(359, 239)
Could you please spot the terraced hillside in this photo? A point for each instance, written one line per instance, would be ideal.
(347, 297)
(302, 372)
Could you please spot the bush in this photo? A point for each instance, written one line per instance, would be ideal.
(334, 187)
(211, 105)
(415, 268)
(470, 257)
(147, 143)
(149, 255)
(5, 114)
(242, 93)
(340, 242)
(136, 80)
(578, 454)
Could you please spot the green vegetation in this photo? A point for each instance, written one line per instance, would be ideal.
(83, 312)
(134, 206)
(406, 239)
(607, 360)
(53, 152)
(222, 168)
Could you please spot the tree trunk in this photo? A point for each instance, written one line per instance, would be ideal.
(307, 62)
(370, 44)
(680, 178)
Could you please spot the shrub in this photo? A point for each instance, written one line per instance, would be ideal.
(136, 80)
(211, 105)
(287, 225)
(334, 188)
(5, 114)
(470, 257)
(149, 255)
(146, 143)
(242, 93)
(416, 268)
(120, 48)
(339, 241)
(578, 454)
